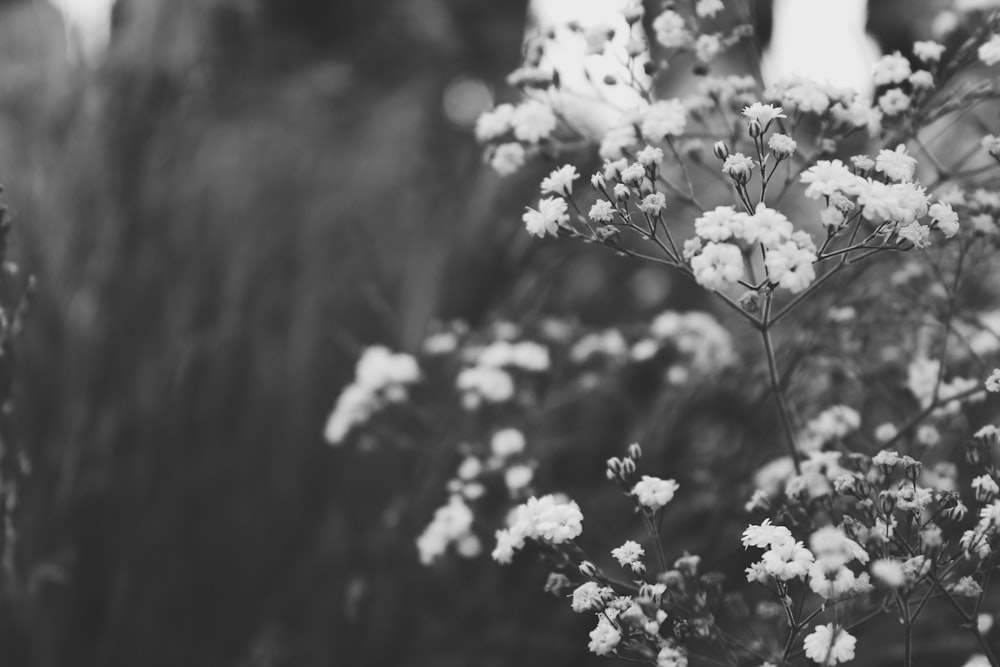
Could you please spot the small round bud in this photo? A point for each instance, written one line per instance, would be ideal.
(635, 451)
(588, 569)
(750, 302)
(597, 180)
(886, 502)
(720, 149)
(754, 129)
(628, 467)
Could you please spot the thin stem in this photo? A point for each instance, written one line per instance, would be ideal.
(776, 388)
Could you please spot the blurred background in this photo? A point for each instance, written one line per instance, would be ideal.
(223, 202)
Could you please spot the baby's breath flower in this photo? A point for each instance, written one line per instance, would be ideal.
(989, 53)
(889, 572)
(560, 181)
(602, 211)
(666, 118)
(993, 381)
(885, 432)
(763, 113)
(922, 79)
(533, 121)
(944, 218)
(633, 174)
(649, 156)
(720, 224)
(672, 656)
(985, 487)
(494, 123)
(653, 204)
(766, 535)
(708, 8)
(897, 165)
(590, 597)
(738, 167)
(967, 587)
(605, 637)
(826, 177)
(790, 560)
(507, 442)
(928, 436)
(782, 145)
(862, 162)
(706, 47)
(928, 51)
(671, 31)
(629, 555)
(550, 215)
(621, 191)
(717, 265)
(653, 492)
(893, 68)
(507, 158)
(829, 644)
(894, 101)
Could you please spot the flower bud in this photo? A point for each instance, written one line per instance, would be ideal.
(754, 128)
(635, 451)
(597, 180)
(973, 452)
(750, 302)
(720, 149)
(588, 569)
(886, 502)
(912, 468)
(615, 469)
(628, 467)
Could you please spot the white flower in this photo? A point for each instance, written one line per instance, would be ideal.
(670, 30)
(782, 145)
(494, 123)
(738, 167)
(533, 121)
(451, 523)
(790, 560)
(478, 383)
(550, 215)
(897, 165)
(560, 181)
(993, 381)
(507, 442)
(944, 218)
(790, 266)
(707, 47)
(767, 226)
(916, 234)
(829, 645)
(718, 265)
(649, 156)
(507, 158)
(766, 535)
(628, 554)
(653, 492)
(616, 141)
(894, 101)
(893, 68)
(602, 211)
(708, 8)
(826, 177)
(928, 51)
(720, 224)
(672, 656)
(589, 596)
(889, 572)
(829, 578)
(989, 53)
(763, 113)
(922, 79)
(653, 204)
(662, 119)
(517, 477)
(604, 638)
